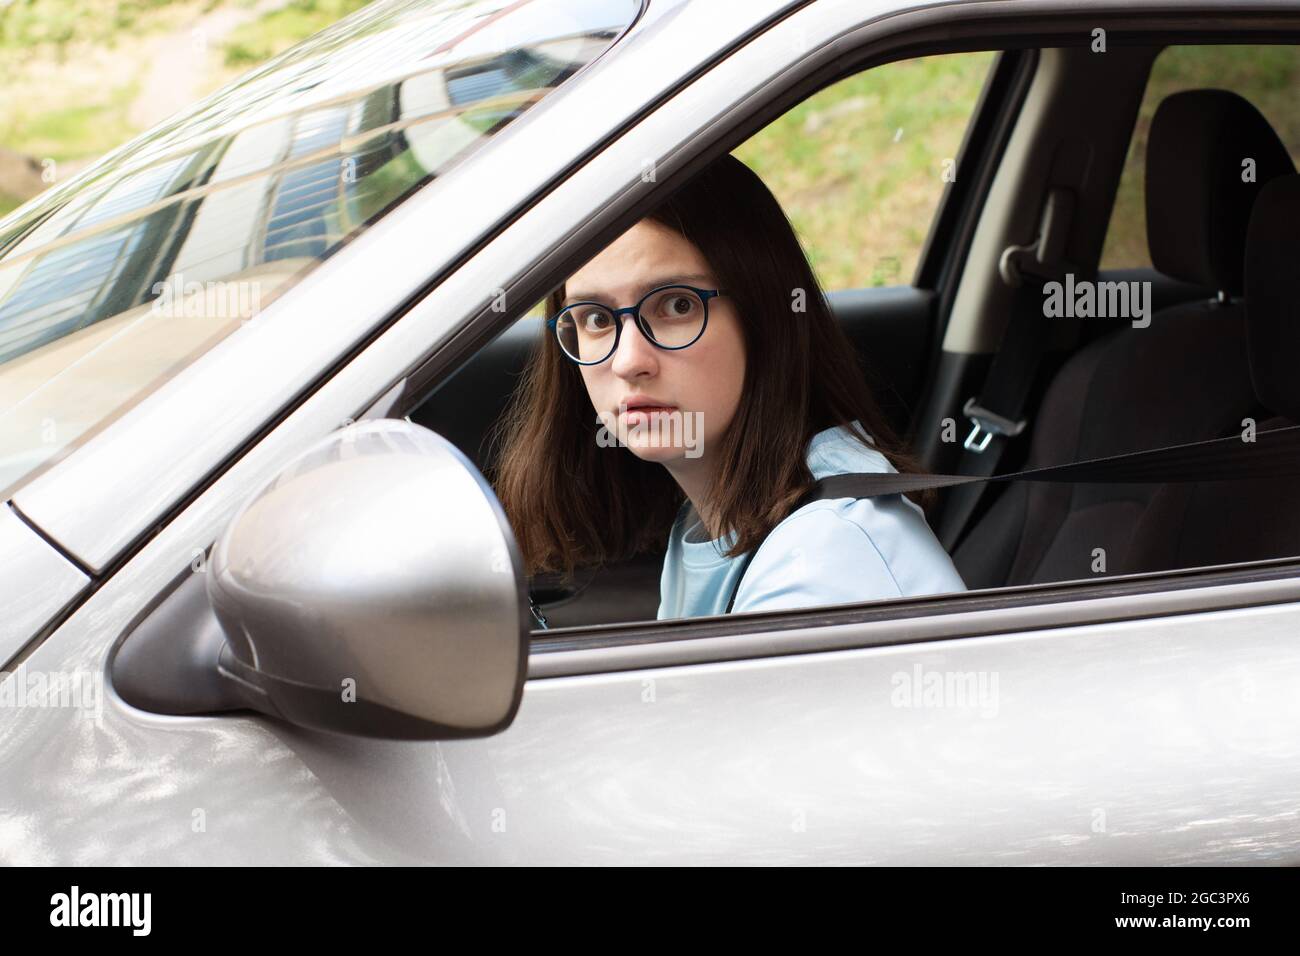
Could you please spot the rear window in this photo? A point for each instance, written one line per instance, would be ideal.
(117, 279)
(1267, 76)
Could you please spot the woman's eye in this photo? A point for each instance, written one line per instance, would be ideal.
(594, 321)
(678, 307)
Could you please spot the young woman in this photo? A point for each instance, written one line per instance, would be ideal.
(706, 316)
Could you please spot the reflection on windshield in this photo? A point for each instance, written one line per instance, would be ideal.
(117, 279)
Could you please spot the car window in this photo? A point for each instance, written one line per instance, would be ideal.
(117, 279)
(1265, 75)
(861, 166)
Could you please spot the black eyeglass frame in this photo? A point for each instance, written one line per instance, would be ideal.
(635, 311)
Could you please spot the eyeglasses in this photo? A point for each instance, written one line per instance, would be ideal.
(670, 317)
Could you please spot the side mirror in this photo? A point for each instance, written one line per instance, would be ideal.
(373, 588)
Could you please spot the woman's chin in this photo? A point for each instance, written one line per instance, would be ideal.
(647, 450)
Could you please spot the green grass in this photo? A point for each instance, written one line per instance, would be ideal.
(73, 132)
(859, 167)
(71, 74)
(27, 25)
(278, 30)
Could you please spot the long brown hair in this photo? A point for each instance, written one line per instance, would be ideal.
(573, 503)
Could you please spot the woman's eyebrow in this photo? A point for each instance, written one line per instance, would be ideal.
(687, 277)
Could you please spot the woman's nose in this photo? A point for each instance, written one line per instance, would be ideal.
(634, 353)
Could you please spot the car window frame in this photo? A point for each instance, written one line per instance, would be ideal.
(962, 615)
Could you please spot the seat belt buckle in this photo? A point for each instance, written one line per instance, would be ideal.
(985, 424)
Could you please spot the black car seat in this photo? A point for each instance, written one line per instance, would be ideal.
(1183, 378)
(1223, 522)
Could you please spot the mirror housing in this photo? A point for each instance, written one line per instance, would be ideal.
(373, 588)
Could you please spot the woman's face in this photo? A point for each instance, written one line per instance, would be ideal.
(701, 383)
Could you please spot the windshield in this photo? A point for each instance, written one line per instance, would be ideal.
(115, 280)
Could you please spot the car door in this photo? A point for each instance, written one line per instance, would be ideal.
(1148, 719)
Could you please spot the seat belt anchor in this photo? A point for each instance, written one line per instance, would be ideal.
(985, 424)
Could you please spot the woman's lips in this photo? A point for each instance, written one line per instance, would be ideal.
(645, 413)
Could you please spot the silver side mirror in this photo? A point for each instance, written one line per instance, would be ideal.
(373, 588)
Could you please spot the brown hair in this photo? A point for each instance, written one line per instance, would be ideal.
(575, 504)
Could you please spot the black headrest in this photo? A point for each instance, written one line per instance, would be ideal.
(1198, 196)
(1273, 296)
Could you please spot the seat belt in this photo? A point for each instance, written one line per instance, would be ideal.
(1273, 454)
(996, 416)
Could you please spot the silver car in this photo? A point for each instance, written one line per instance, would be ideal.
(258, 604)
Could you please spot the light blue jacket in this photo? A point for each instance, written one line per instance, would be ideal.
(832, 551)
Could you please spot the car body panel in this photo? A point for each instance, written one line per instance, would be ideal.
(38, 582)
(1119, 743)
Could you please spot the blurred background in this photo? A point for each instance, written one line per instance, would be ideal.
(83, 76)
